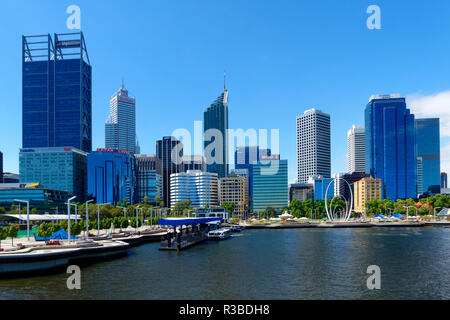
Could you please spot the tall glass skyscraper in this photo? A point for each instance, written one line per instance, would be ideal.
(56, 92)
(244, 157)
(216, 117)
(390, 146)
(270, 185)
(313, 145)
(428, 156)
(169, 154)
(356, 150)
(443, 180)
(120, 128)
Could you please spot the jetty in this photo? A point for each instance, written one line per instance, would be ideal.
(185, 232)
(42, 258)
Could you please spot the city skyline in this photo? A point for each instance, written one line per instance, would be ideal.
(245, 99)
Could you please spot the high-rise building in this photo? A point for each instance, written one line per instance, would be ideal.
(313, 145)
(215, 126)
(342, 189)
(148, 182)
(428, 156)
(444, 184)
(243, 173)
(232, 190)
(56, 95)
(356, 151)
(55, 168)
(270, 185)
(111, 176)
(169, 154)
(1, 167)
(324, 188)
(194, 162)
(201, 188)
(244, 158)
(120, 128)
(366, 189)
(391, 146)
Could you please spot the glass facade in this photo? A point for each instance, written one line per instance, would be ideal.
(201, 188)
(55, 168)
(216, 117)
(56, 95)
(148, 181)
(391, 146)
(270, 185)
(444, 180)
(428, 156)
(321, 185)
(111, 176)
(165, 165)
(244, 157)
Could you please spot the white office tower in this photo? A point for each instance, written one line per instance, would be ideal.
(120, 128)
(356, 149)
(313, 145)
(201, 188)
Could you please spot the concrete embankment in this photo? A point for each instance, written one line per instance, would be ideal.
(45, 258)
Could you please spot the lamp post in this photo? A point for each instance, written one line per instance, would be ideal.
(137, 219)
(68, 217)
(124, 211)
(434, 213)
(98, 217)
(86, 236)
(151, 215)
(28, 215)
(76, 211)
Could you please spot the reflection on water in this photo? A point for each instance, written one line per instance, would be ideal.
(266, 264)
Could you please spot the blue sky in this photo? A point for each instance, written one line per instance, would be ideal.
(281, 58)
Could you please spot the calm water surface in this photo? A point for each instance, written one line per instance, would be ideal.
(266, 264)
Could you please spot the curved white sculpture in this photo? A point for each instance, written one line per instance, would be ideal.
(348, 211)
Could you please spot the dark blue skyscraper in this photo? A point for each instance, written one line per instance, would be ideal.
(215, 119)
(390, 146)
(428, 156)
(111, 176)
(56, 92)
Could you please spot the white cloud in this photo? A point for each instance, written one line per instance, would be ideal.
(432, 106)
(435, 106)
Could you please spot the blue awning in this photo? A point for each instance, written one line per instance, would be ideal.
(176, 222)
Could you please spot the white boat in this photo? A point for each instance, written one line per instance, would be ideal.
(220, 234)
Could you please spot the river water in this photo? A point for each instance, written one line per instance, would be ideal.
(266, 264)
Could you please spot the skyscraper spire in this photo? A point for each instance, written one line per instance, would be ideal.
(123, 83)
(224, 81)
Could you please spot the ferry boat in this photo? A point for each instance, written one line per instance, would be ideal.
(220, 234)
(237, 229)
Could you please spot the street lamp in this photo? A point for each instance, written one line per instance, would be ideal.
(434, 212)
(76, 211)
(28, 215)
(137, 219)
(151, 215)
(68, 217)
(98, 216)
(86, 236)
(124, 211)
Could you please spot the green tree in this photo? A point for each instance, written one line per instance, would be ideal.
(229, 206)
(13, 231)
(146, 199)
(133, 222)
(34, 211)
(45, 230)
(2, 210)
(3, 235)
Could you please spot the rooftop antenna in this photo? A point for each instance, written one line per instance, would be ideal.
(224, 81)
(123, 83)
